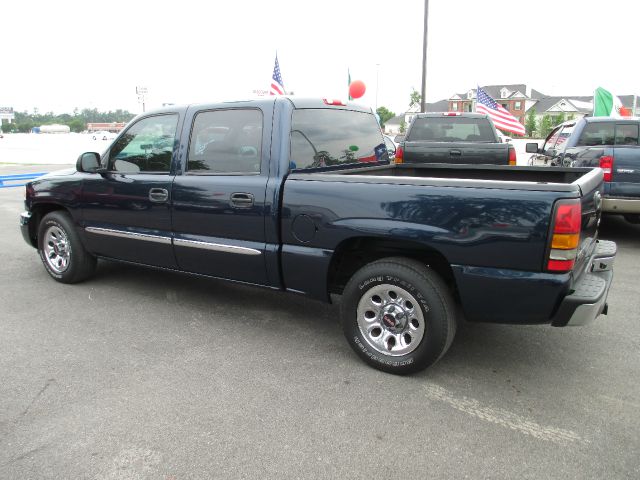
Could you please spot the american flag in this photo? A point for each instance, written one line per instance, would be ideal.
(277, 87)
(502, 119)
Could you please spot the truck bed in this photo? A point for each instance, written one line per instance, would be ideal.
(487, 176)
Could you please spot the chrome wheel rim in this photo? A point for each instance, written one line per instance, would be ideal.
(390, 320)
(57, 250)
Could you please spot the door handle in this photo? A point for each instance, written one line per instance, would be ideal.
(455, 153)
(158, 195)
(242, 200)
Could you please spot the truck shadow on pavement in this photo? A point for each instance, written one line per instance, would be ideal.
(271, 316)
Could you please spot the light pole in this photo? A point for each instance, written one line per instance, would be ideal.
(424, 56)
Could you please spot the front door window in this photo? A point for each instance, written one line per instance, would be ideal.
(147, 146)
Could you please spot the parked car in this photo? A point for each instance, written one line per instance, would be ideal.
(103, 135)
(300, 196)
(503, 138)
(609, 143)
(454, 137)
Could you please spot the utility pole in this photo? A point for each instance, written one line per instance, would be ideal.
(424, 56)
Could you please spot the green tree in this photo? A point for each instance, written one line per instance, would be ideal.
(403, 126)
(385, 114)
(76, 125)
(415, 98)
(558, 119)
(530, 122)
(25, 126)
(571, 117)
(545, 126)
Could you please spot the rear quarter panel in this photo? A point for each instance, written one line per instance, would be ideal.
(473, 227)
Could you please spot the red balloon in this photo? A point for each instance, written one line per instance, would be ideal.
(357, 89)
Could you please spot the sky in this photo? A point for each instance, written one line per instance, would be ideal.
(57, 56)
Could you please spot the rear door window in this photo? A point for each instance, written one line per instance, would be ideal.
(627, 134)
(597, 134)
(226, 142)
(325, 137)
(451, 129)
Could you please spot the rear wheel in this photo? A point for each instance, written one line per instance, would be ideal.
(61, 251)
(398, 315)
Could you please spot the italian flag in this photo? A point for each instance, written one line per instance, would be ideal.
(605, 104)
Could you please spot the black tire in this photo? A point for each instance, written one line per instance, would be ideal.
(70, 263)
(406, 279)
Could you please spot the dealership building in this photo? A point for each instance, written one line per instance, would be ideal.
(6, 113)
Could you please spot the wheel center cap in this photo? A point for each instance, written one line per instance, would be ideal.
(389, 320)
(394, 318)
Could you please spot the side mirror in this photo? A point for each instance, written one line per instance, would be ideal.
(88, 162)
(532, 148)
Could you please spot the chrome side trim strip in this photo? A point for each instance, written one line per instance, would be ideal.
(130, 235)
(218, 247)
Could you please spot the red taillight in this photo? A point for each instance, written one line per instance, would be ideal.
(606, 164)
(567, 223)
(568, 217)
(451, 114)
(512, 155)
(338, 103)
(399, 155)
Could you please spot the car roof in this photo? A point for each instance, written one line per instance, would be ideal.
(611, 119)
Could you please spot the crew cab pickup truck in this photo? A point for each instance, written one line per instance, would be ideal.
(298, 195)
(454, 137)
(608, 143)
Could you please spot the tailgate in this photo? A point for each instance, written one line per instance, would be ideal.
(456, 152)
(625, 174)
(592, 188)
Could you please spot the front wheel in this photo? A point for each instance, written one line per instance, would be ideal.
(61, 251)
(398, 315)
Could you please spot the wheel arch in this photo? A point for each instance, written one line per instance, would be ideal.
(356, 252)
(38, 211)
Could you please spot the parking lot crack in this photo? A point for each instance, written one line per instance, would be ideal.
(38, 395)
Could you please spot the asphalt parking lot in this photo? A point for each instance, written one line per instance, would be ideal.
(145, 374)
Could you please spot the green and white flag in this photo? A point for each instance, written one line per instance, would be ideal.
(605, 104)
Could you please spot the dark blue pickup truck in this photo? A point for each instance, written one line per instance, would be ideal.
(298, 195)
(454, 137)
(612, 144)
